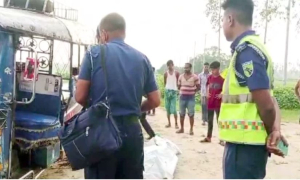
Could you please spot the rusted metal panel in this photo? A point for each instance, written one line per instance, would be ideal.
(33, 23)
(80, 33)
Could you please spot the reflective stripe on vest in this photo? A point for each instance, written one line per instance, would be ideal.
(237, 99)
(239, 120)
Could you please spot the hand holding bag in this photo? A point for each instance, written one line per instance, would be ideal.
(91, 135)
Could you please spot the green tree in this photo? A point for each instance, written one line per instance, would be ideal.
(295, 14)
(211, 54)
(213, 12)
(164, 68)
(268, 10)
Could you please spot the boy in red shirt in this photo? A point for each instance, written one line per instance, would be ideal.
(214, 90)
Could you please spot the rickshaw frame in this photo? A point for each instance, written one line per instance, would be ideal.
(47, 26)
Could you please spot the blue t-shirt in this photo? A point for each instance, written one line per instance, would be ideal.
(129, 74)
(251, 64)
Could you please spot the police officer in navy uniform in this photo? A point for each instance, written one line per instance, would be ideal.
(244, 161)
(130, 75)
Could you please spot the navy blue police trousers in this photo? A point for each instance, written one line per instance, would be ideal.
(128, 162)
(242, 161)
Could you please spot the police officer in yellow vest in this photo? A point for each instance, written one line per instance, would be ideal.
(249, 120)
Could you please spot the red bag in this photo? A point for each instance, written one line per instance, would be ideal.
(29, 69)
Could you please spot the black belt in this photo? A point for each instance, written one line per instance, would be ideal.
(129, 118)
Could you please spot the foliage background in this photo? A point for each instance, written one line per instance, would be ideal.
(284, 94)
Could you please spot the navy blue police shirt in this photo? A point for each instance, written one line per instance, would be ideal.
(251, 64)
(130, 76)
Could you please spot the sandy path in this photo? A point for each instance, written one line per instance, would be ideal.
(205, 160)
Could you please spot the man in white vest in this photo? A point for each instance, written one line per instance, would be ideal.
(171, 91)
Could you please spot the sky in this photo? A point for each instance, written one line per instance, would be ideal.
(162, 30)
(175, 29)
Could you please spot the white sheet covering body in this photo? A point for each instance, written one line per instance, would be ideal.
(160, 158)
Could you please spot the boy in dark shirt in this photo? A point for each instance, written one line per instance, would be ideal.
(214, 98)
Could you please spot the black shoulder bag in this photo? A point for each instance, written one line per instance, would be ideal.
(91, 135)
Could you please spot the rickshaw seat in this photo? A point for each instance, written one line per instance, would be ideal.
(34, 120)
(38, 123)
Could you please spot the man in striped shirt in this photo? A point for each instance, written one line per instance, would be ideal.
(188, 84)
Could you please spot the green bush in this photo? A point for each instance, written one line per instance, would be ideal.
(286, 98)
(160, 84)
(285, 95)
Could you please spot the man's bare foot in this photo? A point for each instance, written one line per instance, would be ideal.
(206, 140)
(191, 132)
(168, 126)
(176, 126)
(180, 131)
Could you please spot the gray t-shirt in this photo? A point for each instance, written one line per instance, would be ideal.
(203, 80)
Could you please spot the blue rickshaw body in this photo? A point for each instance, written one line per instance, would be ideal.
(33, 110)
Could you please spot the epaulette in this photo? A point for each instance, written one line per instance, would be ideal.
(257, 50)
(239, 48)
(244, 45)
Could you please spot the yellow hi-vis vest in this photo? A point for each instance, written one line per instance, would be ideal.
(239, 120)
(224, 73)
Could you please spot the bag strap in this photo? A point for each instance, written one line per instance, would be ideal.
(103, 65)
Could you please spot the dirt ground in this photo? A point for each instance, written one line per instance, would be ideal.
(198, 160)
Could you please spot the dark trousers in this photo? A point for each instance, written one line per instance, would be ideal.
(242, 161)
(210, 117)
(128, 163)
(204, 109)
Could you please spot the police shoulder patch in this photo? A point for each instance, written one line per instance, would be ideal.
(248, 68)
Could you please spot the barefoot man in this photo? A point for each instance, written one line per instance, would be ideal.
(170, 81)
(189, 84)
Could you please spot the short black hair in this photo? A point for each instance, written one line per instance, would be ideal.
(153, 68)
(215, 65)
(75, 70)
(206, 64)
(112, 22)
(170, 62)
(243, 8)
(189, 64)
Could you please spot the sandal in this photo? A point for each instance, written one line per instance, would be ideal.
(168, 126)
(180, 131)
(191, 133)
